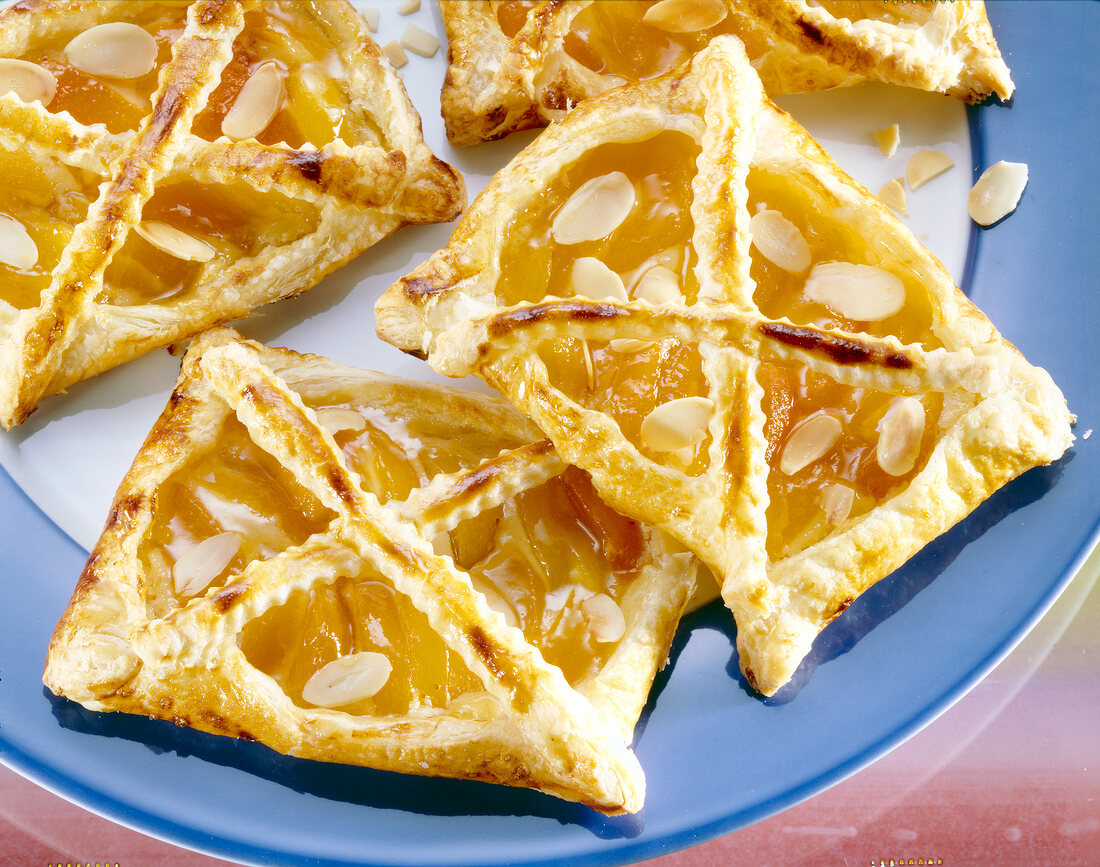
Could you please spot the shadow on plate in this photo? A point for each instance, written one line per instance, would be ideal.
(878, 603)
(436, 796)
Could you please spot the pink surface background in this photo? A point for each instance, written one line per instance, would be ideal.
(1008, 776)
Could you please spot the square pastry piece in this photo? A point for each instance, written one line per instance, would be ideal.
(350, 567)
(738, 342)
(174, 165)
(516, 64)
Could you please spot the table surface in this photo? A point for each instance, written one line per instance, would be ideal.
(1010, 775)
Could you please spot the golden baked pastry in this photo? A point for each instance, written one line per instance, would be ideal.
(173, 166)
(739, 343)
(351, 567)
(516, 64)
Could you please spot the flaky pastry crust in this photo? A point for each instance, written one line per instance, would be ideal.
(400, 497)
(341, 165)
(793, 541)
(514, 68)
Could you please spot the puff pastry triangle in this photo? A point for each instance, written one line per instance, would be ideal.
(180, 164)
(515, 65)
(351, 567)
(739, 343)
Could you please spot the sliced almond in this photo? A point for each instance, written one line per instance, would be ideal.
(395, 54)
(997, 192)
(591, 278)
(335, 419)
(495, 600)
(115, 50)
(257, 103)
(860, 292)
(925, 165)
(888, 139)
(371, 16)
(627, 345)
(810, 440)
(29, 81)
(779, 241)
(836, 501)
(348, 679)
(17, 247)
(419, 41)
(589, 366)
(408, 7)
(202, 563)
(658, 285)
(606, 622)
(596, 209)
(174, 242)
(685, 16)
(892, 194)
(899, 436)
(677, 424)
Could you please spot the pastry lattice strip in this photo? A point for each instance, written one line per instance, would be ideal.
(132, 640)
(148, 222)
(802, 433)
(517, 65)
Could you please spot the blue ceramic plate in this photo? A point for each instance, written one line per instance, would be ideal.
(716, 757)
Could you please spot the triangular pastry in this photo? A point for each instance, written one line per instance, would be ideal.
(179, 164)
(739, 343)
(515, 65)
(351, 567)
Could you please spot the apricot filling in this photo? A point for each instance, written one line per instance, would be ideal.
(282, 85)
(186, 225)
(108, 73)
(640, 39)
(818, 271)
(624, 205)
(835, 452)
(235, 488)
(40, 205)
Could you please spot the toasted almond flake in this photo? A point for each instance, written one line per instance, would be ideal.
(836, 501)
(593, 279)
(596, 209)
(658, 285)
(888, 139)
(677, 424)
(628, 344)
(495, 600)
(17, 247)
(395, 54)
(809, 440)
(779, 241)
(202, 563)
(899, 436)
(257, 103)
(28, 81)
(408, 7)
(335, 419)
(605, 618)
(174, 242)
(419, 41)
(370, 15)
(589, 366)
(997, 192)
(860, 292)
(925, 165)
(685, 16)
(348, 679)
(892, 194)
(479, 703)
(115, 50)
